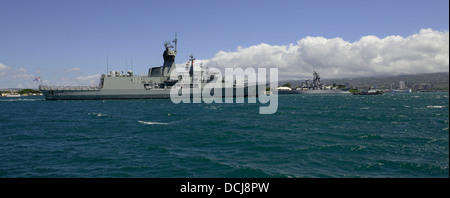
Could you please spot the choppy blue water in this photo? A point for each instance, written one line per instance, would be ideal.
(391, 135)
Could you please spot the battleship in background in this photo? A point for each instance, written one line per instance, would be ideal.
(316, 87)
(156, 85)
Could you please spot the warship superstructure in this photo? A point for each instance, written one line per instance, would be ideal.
(316, 87)
(156, 85)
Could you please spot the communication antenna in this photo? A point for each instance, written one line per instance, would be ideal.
(107, 63)
(175, 41)
(131, 63)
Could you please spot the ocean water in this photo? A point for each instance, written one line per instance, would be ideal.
(391, 135)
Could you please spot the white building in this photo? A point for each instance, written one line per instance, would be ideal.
(401, 85)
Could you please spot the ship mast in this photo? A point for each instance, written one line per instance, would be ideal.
(191, 70)
(107, 63)
(175, 41)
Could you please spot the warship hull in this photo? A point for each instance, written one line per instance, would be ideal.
(282, 92)
(332, 91)
(67, 94)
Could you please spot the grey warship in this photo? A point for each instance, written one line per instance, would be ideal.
(156, 85)
(316, 87)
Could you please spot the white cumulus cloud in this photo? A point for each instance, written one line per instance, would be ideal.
(423, 52)
(21, 70)
(71, 70)
(13, 77)
(88, 80)
(3, 69)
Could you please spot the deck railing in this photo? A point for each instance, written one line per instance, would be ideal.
(69, 88)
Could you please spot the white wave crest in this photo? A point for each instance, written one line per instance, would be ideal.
(436, 107)
(152, 123)
(99, 114)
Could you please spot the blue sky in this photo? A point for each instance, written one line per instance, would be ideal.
(64, 39)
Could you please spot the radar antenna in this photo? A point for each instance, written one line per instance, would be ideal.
(168, 45)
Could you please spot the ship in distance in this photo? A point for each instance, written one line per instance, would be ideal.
(156, 85)
(314, 87)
